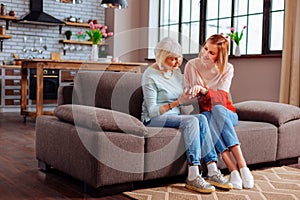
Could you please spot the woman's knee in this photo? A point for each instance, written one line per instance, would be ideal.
(201, 118)
(219, 109)
(190, 121)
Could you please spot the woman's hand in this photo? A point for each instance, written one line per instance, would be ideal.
(194, 91)
(185, 98)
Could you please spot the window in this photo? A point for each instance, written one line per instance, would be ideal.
(191, 22)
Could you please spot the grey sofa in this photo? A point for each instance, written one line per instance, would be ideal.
(96, 135)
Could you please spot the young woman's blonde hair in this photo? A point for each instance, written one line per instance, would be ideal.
(223, 50)
(165, 48)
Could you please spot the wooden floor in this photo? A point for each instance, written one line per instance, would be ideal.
(19, 176)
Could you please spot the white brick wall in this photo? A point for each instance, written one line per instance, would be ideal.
(89, 9)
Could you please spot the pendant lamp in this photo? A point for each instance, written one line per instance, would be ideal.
(118, 4)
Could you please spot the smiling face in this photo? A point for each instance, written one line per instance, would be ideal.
(215, 50)
(210, 51)
(172, 62)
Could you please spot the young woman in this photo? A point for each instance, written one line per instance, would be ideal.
(209, 78)
(162, 85)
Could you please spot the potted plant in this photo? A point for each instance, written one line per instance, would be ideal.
(68, 34)
(96, 34)
(236, 37)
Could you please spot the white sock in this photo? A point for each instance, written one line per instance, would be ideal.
(212, 168)
(248, 180)
(235, 180)
(193, 172)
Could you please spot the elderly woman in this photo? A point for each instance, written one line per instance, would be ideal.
(162, 85)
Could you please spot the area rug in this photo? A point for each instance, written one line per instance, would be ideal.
(277, 183)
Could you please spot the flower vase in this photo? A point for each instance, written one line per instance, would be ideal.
(94, 55)
(237, 51)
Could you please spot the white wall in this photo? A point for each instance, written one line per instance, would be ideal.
(131, 27)
(256, 78)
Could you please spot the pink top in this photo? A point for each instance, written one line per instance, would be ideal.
(194, 70)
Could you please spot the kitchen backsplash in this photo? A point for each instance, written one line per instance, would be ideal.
(48, 36)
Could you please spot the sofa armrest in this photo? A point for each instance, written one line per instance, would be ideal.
(100, 119)
(264, 111)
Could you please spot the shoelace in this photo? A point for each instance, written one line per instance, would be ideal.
(202, 182)
(220, 176)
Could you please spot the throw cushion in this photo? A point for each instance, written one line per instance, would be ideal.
(100, 119)
(265, 111)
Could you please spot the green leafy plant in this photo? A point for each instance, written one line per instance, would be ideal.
(97, 32)
(80, 35)
(235, 36)
(68, 34)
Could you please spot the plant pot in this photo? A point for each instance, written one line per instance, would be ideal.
(94, 53)
(237, 51)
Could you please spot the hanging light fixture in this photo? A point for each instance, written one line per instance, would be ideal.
(118, 4)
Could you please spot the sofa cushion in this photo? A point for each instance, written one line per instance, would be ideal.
(265, 111)
(117, 91)
(100, 119)
(165, 155)
(258, 141)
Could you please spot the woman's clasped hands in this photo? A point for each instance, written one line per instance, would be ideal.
(196, 90)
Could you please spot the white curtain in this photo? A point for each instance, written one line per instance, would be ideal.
(290, 67)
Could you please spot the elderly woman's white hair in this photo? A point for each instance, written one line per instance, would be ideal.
(165, 48)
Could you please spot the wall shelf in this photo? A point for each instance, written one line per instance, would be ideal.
(7, 18)
(79, 43)
(86, 25)
(3, 37)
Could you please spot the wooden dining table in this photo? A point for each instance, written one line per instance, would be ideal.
(41, 64)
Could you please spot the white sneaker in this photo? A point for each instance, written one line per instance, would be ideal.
(235, 180)
(247, 178)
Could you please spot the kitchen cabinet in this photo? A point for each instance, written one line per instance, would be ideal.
(67, 76)
(10, 90)
(10, 87)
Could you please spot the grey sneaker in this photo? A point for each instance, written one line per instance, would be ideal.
(200, 185)
(219, 181)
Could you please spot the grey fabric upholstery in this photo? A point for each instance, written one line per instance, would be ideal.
(100, 119)
(116, 91)
(76, 151)
(165, 153)
(271, 112)
(289, 140)
(107, 104)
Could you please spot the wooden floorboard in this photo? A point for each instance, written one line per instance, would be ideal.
(19, 175)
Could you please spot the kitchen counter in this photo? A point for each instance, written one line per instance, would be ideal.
(41, 64)
(10, 66)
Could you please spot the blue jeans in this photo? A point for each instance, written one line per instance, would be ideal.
(196, 135)
(221, 123)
